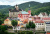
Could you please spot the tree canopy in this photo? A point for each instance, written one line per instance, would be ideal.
(14, 22)
(30, 25)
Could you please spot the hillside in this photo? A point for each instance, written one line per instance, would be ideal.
(4, 6)
(35, 7)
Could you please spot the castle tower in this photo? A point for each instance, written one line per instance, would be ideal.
(16, 6)
(29, 11)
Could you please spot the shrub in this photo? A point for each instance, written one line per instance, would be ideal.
(3, 29)
(14, 22)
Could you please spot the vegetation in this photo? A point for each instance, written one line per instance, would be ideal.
(1, 21)
(3, 29)
(4, 6)
(30, 25)
(35, 7)
(25, 32)
(14, 22)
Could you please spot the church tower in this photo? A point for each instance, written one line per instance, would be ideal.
(29, 11)
(16, 6)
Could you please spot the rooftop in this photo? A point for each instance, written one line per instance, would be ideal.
(24, 12)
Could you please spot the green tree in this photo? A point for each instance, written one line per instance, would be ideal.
(14, 22)
(1, 21)
(27, 26)
(3, 29)
(30, 25)
(33, 25)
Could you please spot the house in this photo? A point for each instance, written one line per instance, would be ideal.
(7, 22)
(47, 26)
(43, 15)
(24, 15)
(40, 25)
(14, 13)
(49, 15)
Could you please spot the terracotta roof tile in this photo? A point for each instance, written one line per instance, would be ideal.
(48, 18)
(6, 19)
(48, 33)
(39, 21)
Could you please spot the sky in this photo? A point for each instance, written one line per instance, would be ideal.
(14, 2)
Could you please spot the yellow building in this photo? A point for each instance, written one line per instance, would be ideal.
(21, 23)
(7, 22)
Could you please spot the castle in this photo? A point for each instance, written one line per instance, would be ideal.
(14, 12)
(18, 13)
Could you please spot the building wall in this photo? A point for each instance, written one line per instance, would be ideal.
(40, 15)
(47, 27)
(8, 23)
(14, 14)
(23, 16)
(39, 26)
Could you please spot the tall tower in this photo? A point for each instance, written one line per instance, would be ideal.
(29, 11)
(16, 6)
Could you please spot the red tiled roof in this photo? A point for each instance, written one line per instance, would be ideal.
(6, 19)
(48, 33)
(48, 18)
(39, 21)
(3, 24)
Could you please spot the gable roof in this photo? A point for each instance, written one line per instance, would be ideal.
(6, 19)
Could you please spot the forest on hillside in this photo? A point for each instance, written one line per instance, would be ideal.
(35, 8)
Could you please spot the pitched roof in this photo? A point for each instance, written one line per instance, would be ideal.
(48, 33)
(44, 14)
(39, 21)
(24, 12)
(6, 19)
(47, 18)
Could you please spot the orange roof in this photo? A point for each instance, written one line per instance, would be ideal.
(48, 18)
(3, 24)
(18, 25)
(7, 20)
(48, 33)
(39, 21)
(25, 21)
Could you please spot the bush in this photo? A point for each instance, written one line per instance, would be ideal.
(33, 26)
(3, 29)
(27, 26)
(14, 22)
(25, 32)
(30, 25)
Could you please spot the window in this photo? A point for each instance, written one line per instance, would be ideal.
(42, 23)
(20, 15)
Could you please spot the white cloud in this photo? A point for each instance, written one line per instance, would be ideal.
(14, 2)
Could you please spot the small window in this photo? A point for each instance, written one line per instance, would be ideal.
(20, 15)
(42, 23)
